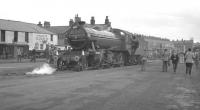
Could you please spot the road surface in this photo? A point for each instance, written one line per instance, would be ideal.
(124, 88)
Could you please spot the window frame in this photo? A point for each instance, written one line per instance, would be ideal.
(51, 37)
(3, 35)
(27, 37)
(15, 36)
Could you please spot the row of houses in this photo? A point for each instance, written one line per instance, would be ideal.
(155, 45)
(26, 36)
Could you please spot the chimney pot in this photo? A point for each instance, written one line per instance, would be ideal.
(92, 21)
(39, 24)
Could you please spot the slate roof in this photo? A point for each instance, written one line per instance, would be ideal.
(58, 29)
(11, 25)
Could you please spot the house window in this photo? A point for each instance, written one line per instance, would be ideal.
(15, 36)
(41, 46)
(3, 36)
(26, 37)
(51, 37)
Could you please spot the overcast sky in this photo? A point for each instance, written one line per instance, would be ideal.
(173, 19)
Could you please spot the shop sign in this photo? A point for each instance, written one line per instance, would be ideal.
(41, 38)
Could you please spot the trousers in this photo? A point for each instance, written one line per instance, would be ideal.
(165, 66)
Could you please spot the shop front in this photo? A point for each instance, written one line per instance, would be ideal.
(9, 50)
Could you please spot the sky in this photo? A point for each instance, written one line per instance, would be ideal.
(172, 19)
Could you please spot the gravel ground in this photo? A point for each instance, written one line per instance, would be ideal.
(124, 88)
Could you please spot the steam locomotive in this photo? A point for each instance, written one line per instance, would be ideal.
(94, 48)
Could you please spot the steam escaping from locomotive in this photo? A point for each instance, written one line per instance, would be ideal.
(44, 69)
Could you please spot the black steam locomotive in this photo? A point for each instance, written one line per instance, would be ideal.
(94, 48)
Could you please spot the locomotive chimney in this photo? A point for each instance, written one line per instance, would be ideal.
(71, 22)
(92, 21)
(77, 19)
(39, 24)
(107, 22)
(46, 24)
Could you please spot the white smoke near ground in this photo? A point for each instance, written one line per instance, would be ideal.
(44, 69)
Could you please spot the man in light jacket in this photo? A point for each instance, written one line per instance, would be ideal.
(165, 58)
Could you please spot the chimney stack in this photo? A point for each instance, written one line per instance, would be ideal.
(46, 24)
(39, 24)
(92, 21)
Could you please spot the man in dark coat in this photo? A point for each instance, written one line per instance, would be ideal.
(175, 60)
(33, 58)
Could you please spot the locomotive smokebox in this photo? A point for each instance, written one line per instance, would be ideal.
(77, 37)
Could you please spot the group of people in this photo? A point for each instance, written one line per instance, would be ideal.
(52, 54)
(190, 58)
(20, 54)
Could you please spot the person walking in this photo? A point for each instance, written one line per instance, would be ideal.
(197, 58)
(19, 55)
(189, 59)
(175, 60)
(143, 61)
(165, 58)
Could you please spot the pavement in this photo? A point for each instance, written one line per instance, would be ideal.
(124, 88)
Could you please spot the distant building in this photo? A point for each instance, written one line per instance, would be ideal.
(156, 45)
(143, 45)
(27, 36)
(60, 31)
(183, 45)
(196, 45)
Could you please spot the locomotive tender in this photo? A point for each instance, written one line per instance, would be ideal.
(97, 48)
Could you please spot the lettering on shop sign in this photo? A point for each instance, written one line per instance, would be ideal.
(41, 38)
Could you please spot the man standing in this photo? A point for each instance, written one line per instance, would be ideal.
(33, 59)
(175, 60)
(197, 58)
(19, 54)
(165, 58)
(144, 61)
(189, 56)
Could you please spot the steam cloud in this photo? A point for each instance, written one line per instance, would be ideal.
(44, 69)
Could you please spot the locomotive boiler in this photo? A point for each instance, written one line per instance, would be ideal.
(95, 48)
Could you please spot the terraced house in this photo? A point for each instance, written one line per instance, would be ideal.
(26, 36)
